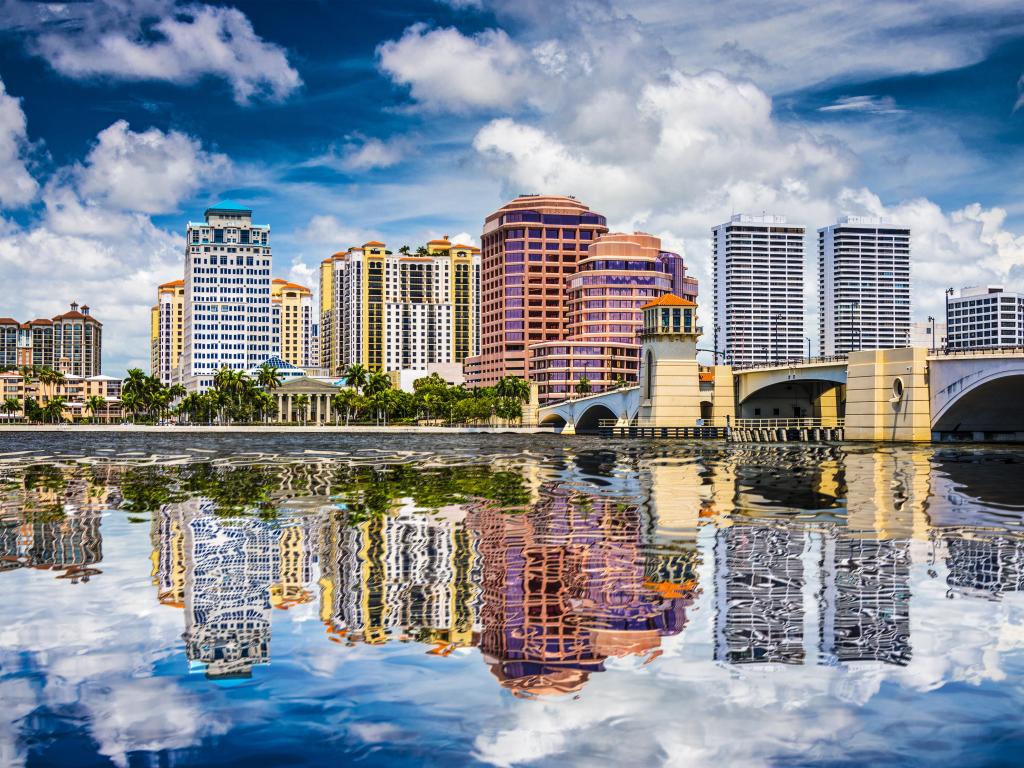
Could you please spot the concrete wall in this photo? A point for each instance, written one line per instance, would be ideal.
(724, 400)
(872, 411)
(675, 383)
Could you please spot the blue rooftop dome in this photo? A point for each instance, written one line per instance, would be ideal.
(228, 206)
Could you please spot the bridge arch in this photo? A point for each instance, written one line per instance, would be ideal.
(801, 397)
(987, 406)
(553, 419)
(588, 419)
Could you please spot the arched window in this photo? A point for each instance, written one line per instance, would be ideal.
(649, 374)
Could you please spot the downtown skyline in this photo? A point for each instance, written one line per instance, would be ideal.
(452, 109)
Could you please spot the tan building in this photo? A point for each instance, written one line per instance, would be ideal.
(167, 331)
(292, 306)
(75, 391)
(71, 343)
(399, 311)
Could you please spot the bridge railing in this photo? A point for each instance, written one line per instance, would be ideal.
(974, 352)
(794, 423)
(789, 362)
(605, 423)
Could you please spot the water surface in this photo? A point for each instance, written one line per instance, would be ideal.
(507, 600)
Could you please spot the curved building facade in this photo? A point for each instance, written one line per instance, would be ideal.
(620, 273)
(529, 247)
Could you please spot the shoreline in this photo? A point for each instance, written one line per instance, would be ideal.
(270, 428)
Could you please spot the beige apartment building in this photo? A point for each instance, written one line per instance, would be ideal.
(167, 329)
(71, 343)
(292, 307)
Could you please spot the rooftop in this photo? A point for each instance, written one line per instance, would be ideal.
(228, 206)
(669, 300)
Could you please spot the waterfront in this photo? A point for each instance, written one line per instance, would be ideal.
(507, 600)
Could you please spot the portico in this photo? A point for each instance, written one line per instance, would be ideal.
(317, 408)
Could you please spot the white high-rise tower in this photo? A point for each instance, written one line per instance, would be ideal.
(759, 286)
(228, 319)
(863, 285)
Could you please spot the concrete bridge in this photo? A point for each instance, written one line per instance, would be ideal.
(885, 395)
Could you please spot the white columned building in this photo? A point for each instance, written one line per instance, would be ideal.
(228, 320)
(863, 285)
(759, 285)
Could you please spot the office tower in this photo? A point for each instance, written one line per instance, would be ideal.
(759, 285)
(529, 247)
(293, 303)
(863, 285)
(167, 333)
(399, 311)
(618, 275)
(987, 316)
(313, 351)
(227, 296)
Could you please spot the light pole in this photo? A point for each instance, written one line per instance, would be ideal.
(716, 343)
(808, 338)
(949, 292)
(932, 321)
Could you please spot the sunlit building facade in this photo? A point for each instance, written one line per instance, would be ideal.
(292, 305)
(71, 343)
(759, 289)
(619, 274)
(398, 311)
(985, 316)
(167, 331)
(530, 247)
(227, 319)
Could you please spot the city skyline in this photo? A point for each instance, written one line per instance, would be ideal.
(694, 117)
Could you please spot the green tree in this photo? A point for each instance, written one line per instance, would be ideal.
(268, 377)
(53, 411)
(301, 403)
(11, 405)
(94, 404)
(356, 376)
(582, 386)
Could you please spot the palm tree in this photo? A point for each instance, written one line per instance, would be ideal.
(268, 378)
(356, 376)
(302, 402)
(94, 403)
(342, 401)
(582, 386)
(11, 406)
(53, 411)
(404, 250)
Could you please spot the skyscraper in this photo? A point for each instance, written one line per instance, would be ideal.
(167, 335)
(759, 284)
(617, 275)
(71, 343)
(529, 247)
(863, 285)
(399, 311)
(227, 316)
(985, 316)
(294, 305)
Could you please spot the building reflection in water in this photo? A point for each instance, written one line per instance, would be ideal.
(808, 553)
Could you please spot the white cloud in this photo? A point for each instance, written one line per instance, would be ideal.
(362, 153)
(185, 43)
(17, 186)
(446, 70)
(150, 172)
(877, 105)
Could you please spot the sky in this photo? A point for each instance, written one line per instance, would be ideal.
(338, 122)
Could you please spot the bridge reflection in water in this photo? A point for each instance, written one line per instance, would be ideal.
(548, 568)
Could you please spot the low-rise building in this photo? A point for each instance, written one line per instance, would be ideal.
(75, 391)
(985, 316)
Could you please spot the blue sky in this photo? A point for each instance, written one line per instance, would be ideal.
(337, 121)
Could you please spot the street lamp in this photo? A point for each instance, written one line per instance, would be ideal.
(932, 321)
(949, 293)
(717, 327)
(808, 338)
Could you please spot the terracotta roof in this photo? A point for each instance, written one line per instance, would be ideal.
(40, 321)
(8, 321)
(373, 242)
(443, 241)
(173, 284)
(669, 300)
(464, 247)
(76, 316)
(293, 286)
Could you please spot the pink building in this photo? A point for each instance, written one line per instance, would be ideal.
(529, 247)
(620, 273)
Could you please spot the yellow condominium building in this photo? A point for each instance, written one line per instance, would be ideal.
(292, 306)
(399, 311)
(167, 329)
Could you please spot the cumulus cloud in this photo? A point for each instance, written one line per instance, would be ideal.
(17, 186)
(446, 70)
(151, 172)
(121, 40)
(93, 240)
(362, 153)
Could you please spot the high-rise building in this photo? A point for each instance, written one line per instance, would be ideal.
(617, 276)
(931, 335)
(227, 319)
(167, 332)
(294, 305)
(530, 246)
(399, 311)
(71, 343)
(313, 351)
(863, 285)
(987, 316)
(759, 285)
